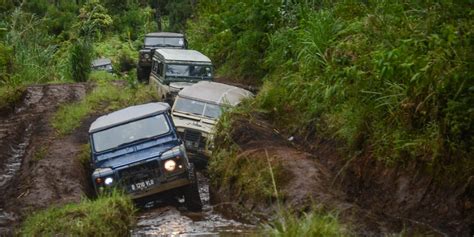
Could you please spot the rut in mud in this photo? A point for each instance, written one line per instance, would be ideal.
(38, 168)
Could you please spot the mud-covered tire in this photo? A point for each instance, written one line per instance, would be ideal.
(192, 200)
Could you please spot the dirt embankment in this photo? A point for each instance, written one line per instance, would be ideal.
(371, 198)
(38, 168)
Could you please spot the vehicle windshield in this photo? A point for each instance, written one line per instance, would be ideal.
(130, 132)
(198, 108)
(184, 70)
(164, 42)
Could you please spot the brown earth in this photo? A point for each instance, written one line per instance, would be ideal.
(371, 198)
(47, 170)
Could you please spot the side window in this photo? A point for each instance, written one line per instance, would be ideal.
(154, 66)
(157, 67)
(160, 69)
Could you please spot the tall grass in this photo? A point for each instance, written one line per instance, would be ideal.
(315, 223)
(388, 77)
(111, 215)
(104, 98)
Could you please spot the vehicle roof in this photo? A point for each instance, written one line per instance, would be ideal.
(128, 114)
(183, 55)
(215, 92)
(164, 34)
(101, 61)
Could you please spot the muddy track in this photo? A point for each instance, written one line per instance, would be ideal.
(39, 168)
(374, 200)
(33, 157)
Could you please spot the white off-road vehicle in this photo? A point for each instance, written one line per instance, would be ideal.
(197, 109)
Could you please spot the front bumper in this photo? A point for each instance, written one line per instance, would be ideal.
(161, 188)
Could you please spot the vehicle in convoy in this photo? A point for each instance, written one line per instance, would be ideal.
(196, 110)
(154, 41)
(102, 64)
(137, 149)
(174, 69)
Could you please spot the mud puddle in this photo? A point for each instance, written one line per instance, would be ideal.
(166, 220)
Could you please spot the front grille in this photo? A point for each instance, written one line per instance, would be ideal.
(193, 139)
(191, 135)
(139, 173)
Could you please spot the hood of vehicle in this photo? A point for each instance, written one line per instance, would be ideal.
(180, 85)
(205, 126)
(135, 153)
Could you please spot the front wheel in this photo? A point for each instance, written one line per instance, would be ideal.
(192, 200)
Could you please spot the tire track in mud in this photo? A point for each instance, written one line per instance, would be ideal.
(23, 131)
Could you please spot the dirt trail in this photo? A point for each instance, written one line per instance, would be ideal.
(373, 199)
(38, 168)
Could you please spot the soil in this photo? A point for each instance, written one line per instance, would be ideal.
(39, 168)
(371, 198)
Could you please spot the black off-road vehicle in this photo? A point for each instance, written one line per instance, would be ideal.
(154, 41)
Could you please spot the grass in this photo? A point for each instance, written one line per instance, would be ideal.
(315, 223)
(111, 215)
(389, 78)
(105, 97)
(40, 153)
(250, 177)
(9, 95)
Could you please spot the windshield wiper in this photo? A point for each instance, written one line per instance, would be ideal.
(188, 113)
(134, 141)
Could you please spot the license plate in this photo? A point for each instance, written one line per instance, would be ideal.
(142, 185)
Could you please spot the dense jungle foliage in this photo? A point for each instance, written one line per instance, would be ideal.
(55, 41)
(390, 77)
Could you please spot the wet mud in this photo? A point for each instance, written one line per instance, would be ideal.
(37, 168)
(172, 219)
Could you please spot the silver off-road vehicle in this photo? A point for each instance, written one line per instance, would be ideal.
(175, 69)
(152, 42)
(102, 64)
(197, 109)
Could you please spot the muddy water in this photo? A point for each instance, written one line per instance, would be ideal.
(13, 163)
(10, 167)
(174, 220)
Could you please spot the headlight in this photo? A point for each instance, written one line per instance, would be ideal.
(170, 165)
(108, 181)
(146, 56)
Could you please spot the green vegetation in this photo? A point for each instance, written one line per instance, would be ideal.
(111, 215)
(314, 224)
(104, 98)
(249, 177)
(40, 153)
(9, 96)
(389, 77)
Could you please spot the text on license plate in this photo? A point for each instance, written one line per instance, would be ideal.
(142, 185)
